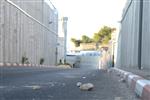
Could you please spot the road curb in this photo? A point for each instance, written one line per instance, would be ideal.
(1, 64)
(22, 65)
(138, 84)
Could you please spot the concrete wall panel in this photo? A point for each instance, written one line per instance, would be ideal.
(129, 35)
(128, 38)
(146, 35)
(21, 36)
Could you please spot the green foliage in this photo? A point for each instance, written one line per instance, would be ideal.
(86, 39)
(41, 61)
(24, 60)
(73, 39)
(104, 35)
(60, 61)
(96, 37)
(76, 42)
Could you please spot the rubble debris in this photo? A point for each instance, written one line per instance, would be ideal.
(86, 86)
(79, 84)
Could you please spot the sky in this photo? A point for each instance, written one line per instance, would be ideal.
(86, 17)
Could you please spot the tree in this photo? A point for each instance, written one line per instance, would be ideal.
(86, 39)
(73, 40)
(104, 35)
(96, 37)
(76, 42)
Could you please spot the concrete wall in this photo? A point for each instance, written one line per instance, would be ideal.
(91, 62)
(90, 59)
(21, 36)
(60, 49)
(129, 36)
(146, 35)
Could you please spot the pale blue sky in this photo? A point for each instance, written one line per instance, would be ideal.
(88, 16)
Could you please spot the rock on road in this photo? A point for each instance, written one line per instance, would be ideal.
(60, 84)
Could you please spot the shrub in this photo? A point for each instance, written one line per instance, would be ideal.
(24, 60)
(41, 61)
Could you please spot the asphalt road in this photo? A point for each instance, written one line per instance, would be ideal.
(60, 84)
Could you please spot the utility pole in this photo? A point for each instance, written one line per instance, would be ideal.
(64, 28)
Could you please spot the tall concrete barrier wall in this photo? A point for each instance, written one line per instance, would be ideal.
(28, 29)
(146, 35)
(129, 49)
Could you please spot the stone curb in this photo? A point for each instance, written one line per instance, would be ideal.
(22, 65)
(138, 84)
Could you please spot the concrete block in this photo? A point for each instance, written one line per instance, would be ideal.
(1, 64)
(146, 92)
(132, 81)
(142, 89)
(138, 84)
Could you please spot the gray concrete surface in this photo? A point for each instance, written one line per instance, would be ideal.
(21, 36)
(129, 37)
(60, 84)
(145, 73)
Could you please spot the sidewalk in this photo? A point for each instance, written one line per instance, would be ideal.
(137, 80)
(145, 73)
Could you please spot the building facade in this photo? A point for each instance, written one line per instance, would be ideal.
(134, 42)
(28, 29)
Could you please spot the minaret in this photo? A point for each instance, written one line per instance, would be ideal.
(64, 29)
